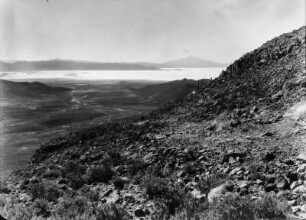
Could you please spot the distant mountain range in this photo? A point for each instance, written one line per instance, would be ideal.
(69, 65)
(187, 62)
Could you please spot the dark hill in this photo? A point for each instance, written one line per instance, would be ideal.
(29, 89)
(233, 150)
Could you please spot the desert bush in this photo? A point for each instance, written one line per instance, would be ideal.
(92, 195)
(231, 207)
(155, 186)
(44, 190)
(111, 212)
(81, 208)
(269, 207)
(72, 168)
(135, 166)
(189, 208)
(10, 208)
(41, 208)
(3, 188)
(99, 174)
(52, 174)
(166, 193)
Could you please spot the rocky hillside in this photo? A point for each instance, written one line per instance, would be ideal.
(171, 91)
(233, 150)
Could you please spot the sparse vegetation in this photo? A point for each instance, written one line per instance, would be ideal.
(99, 174)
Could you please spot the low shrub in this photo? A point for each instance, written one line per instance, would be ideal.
(162, 190)
(3, 188)
(99, 174)
(72, 168)
(52, 174)
(41, 208)
(44, 190)
(134, 167)
(269, 207)
(231, 207)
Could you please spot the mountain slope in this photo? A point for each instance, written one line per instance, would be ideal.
(228, 151)
(171, 91)
(271, 75)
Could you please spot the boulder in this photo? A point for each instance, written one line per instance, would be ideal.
(197, 194)
(282, 184)
(302, 157)
(300, 189)
(148, 158)
(218, 191)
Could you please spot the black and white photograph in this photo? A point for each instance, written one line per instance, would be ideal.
(153, 110)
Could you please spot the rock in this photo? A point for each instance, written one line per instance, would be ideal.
(270, 187)
(34, 180)
(227, 156)
(139, 213)
(148, 158)
(229, 186)
(282, 184)
(288, 161)
(243, 184)
(302, 168)
(62, 181)
(269, 156)
(234, 171)
(108, 192)
(294, 184)
(302, 157)
(216, 193)
(292, 202)
(292, 176)
(259, 182)
(226, 169)
(270, 178)
(197, 194)
(267, 134)
(24, 197)
(118, 183)
(277, 96)
(231, 160)
(300, 189)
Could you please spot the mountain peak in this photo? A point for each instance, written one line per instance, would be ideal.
(192, 61)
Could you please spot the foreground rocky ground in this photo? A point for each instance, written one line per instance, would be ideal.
(234, 150)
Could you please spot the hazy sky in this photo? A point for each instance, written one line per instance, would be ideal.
(142, 30)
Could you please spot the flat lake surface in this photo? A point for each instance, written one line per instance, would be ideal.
(167, 74)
